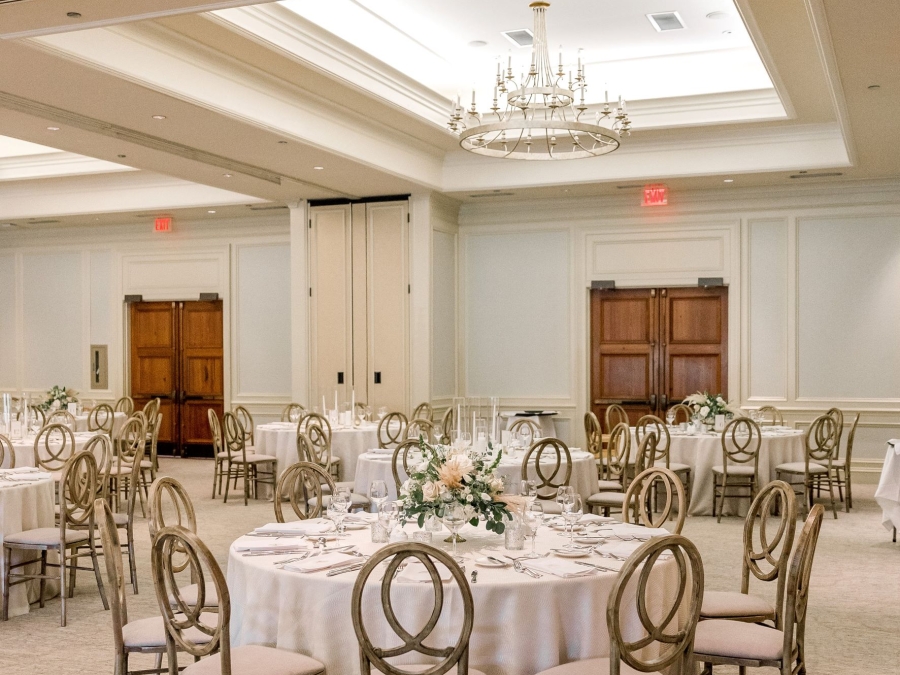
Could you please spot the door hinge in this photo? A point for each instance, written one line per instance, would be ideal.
(310, 223)
(310, 292)
(409, 288)
(407, 217)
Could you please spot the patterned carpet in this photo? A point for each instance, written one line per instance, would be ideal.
(854, 611)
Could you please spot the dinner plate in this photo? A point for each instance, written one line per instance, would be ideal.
(355, 526)
(485, 562)
(589, 540)
(564, 528)
(565, 553)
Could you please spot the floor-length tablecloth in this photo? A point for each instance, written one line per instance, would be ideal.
(888, 493)
(704, 451)
(279, 439)
(24, 448)
(24, 507)
(377, 466)
(522, 625)
(81, 422)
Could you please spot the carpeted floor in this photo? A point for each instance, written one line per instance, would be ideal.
(854, 609)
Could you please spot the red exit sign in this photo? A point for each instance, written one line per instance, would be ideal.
(655, 195)
(163, 224)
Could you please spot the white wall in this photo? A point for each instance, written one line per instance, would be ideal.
(814, 296)
(65, 290)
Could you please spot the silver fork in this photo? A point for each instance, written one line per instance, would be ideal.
(521, 569)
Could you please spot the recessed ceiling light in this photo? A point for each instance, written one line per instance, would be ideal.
(729, 180)
(475, 44)
(73, 15)
(52, 128)
(717, 16)
(664, 21)
(226, 175)
(874, 86)
(159, 117)
(318, 168)
(210, 211)
(522, 37)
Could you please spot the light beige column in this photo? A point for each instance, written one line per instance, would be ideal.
(299, 220)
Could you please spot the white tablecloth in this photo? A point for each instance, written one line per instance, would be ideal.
(279, 439)
(24, 507)
(24, 448)
(522, 625)
(704, 451)
(377, 466)
(81, 422)
(888, 493)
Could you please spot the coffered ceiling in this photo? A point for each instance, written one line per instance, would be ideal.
(282, 101)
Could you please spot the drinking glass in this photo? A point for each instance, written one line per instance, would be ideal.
(360, 415)
(534, 516)
(454, 519)
(337, 513)
(378, 493)
(460, 439)
(528, 489)
(572, 512)
(382, 411)
(670, 417)
(388, 516)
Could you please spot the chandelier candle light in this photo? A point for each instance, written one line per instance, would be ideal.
(544, 117)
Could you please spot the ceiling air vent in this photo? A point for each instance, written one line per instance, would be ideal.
(42, 222)
(493, 194)
(274, 207)
(830, 174)
(664, 21)
(521, 38)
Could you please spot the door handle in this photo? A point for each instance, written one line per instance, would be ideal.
(652, 400)
(664, 400)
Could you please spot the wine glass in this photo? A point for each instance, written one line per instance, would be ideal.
(337, 512)
(388, 516)
(360, 414)
(528, 489)
(533, 516)
(670, 417)
(378, 493)
(454, 519)
(382, 411)
(572, 512)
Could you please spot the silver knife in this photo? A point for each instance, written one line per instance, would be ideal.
(346, 568)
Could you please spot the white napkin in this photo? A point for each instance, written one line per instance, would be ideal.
(594, 518)
(558, 567)
(22, 469)
(382, 451)
(311, 527)
(361, 517)
(416, 572)
(33, 476)
(624, 549)
(265, 544)
(322, 562)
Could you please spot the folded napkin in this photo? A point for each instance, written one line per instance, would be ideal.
(361, 517)
(311, 527)
(631, 530)
(322, 562)
(266, 544)
(594, 518)
(558, 567)
(624, 549)
(895, 443)
(33, 476)
(382, 451)
(22, 469)
(416, 572)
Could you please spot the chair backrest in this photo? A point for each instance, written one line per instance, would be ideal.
(124, 405)
(151, 407)
(6, 450)
(215, 430)
(766, 554)
(154, 440)
(61, 416)
(401, 453)
(170, 505)
(293, 412)
(316, 420)
(102, 418)
(102, 449)
(301, 483)
(246, 420)
(850, 438)
(771, 415)
(666, 644)
(446, 426)
(682, 412)
(741, 439)
(797, 591)
(618, 453)
(53, 446)
(319, 439)
(454, 656)
(645, 489)
(594, 434)
(115, 578)
(423, 411)
(838, 416)
(233, 435)
(615, 414)
(646, 452)
(561, 465)
(821, 441)
(179, 616)
(36, 412)
(392, 430)
(130, 440)
(524, 430)
(420, 427)
(77, 493)
(649, 423)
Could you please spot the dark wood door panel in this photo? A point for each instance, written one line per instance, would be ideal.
(690, 373)
(695, 319)
(626, 319)
(153, 375)
(152, 325)
(201, 325)
(202, 375)
(626, 376)
(195, 421)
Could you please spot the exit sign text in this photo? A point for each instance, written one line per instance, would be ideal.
(163, 224)
(655, 195)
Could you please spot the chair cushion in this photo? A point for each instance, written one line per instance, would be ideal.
(800, 467)
(45, 536)
(254, 459)
(615, 499)
(736, 470)
(151, 632)
(731, 604)
(590, 667)
(120, 519)
(189, 595)
(422, 669)
(146, 464)
(258, 660)
(739, 640)
(609, 485)
(836, 463)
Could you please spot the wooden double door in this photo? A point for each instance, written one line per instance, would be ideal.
(176, 356)
(652, 347)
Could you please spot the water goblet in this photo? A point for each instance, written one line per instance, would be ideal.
(382, 411)
(572, 512)
(337, 514)
(454, 518)
(670, 417)
(388, 516)
(528, 489)
(378, 493)
(533, 516)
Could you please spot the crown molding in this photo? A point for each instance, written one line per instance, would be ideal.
(53, 165)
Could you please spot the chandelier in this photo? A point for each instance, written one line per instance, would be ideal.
(544, 115)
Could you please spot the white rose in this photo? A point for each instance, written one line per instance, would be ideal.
(720, 401)
(431, 491)
(54, 405)
(704, 411)
(469, 498)
(485, 497)
(497, 485)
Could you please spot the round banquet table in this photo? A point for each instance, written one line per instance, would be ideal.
(704, 451)
(24, 448)
(522, 625)
(24, 506)
(81, 422)
(376, 465)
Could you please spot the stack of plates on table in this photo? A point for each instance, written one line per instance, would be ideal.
(319, 563)
(311, 528)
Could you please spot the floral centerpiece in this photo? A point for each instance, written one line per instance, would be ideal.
(706, 406)
(448, 476)
(59, 397)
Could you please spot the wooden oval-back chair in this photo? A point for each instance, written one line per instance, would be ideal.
(841, 467)
(821, 443)
(62, 416)
(423, 411)
(769, 415)
(739, 471)
(246, 420)
(401, 457)
(293, 412)
(7, 450)
(305, 485)
(54, 445)
(446, 426)
(124, 405)
(423, 427)
(683, 413)
(102, 418)
(594, 435)
(392, 430)
(560, 466)
(131, 438)
(662, 454)
(525, 431)
(242, 462)
(644, 492)
(615, 414)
